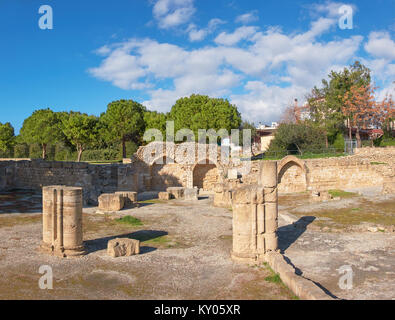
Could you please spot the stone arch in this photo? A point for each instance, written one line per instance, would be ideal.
(205, 175)
(164, 174)
(292, 175)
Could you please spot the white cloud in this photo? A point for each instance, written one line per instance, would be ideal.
(260, 70)
(230, 39)
(247, 17)
(196, 34)
(330, 8)
(172, 13)
(380, 45)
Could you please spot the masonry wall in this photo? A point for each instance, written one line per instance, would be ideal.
(367, 168)
(94, 179)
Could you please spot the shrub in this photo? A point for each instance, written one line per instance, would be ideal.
(338, 143)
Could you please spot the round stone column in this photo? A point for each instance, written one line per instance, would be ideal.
(62, 221)
(269, 182)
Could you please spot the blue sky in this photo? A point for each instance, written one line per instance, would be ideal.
(258, 54)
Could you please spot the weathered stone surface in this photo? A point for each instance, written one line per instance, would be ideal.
(176, 192)
(191, 194)
(130, 198)
(62, 221)
(111, 202)
(123, 247)
(321, 195)
(223, 198)
(164, 196)
(232, 174)
(389, 187)
(255, 218)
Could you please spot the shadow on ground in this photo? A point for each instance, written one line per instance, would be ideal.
(142, 235)
(288, 234)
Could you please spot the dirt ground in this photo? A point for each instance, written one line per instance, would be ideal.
(186, 246)
(185, 255)
(356, 231)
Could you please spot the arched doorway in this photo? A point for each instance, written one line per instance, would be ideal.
(163, 175)
(205, 176)
(292, 175)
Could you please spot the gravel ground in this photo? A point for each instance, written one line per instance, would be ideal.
(185, 255)
(319, 252)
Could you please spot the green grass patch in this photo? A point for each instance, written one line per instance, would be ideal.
(274, 279)
(151, 201)
(130, 220)
(340, 193)
(374, 163)
(306, 155)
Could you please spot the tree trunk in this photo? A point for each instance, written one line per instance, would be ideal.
(359, 144)
(123, 148)
(80, 150)
(326, 141)
(349, 129)
(44, 155)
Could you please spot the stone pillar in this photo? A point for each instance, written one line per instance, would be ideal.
(269, 183)
(255, 217)
(248, 224)
(62, 221)
(189, 174)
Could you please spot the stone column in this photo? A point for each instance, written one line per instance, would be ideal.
(248, 224)
(62, 221)
(255, 217)
(189, 174)
(269, 183)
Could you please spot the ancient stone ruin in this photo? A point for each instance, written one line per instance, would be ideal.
(255, 217)
(123, 247)
(62, 221)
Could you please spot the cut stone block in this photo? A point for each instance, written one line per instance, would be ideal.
(164, 196)
(130, 198)
(232, 174)
(191, 194)
(176, 192)
(111, 202)
(123, 247)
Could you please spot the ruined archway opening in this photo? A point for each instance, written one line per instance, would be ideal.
(163, 174)
(292, 178)
(205, 176)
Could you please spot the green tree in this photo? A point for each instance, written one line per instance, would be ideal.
(81, 130)
(155, 120)
(297, 138)
(7, 137)
(326, 103)
(43, 127)
(245, 125)
(202, 112)
(123, 121)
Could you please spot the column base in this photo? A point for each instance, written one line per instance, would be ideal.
(61, 251)
(256, 258)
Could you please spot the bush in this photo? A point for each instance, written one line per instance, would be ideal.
(21, 150)
(103, 154)
(389, 142)
(293, 138)
(338, 143)
(35, 151)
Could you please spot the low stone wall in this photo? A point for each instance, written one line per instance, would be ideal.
(303, 288)
(94, 179)
(370, 167)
